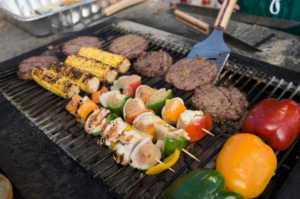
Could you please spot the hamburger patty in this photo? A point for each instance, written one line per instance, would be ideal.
(73, 46)
(130, 46)
(189, 73)
(26, 66)
(220, 102)
(153, 64)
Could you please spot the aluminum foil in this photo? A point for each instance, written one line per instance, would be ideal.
(60, 18)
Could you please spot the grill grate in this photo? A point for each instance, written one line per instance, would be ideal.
(46, 111)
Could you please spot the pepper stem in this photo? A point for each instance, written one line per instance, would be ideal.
(164, 163)
(191, 155)
(208, 132)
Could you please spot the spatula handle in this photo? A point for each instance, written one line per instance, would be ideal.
(225, 14)
(192, 22)
(120, 5)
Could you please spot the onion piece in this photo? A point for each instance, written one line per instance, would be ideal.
(141, 115)
(124, 108)
(160, 144)
(136, 149)
(117, 84)
(137, 90)
(103, 98)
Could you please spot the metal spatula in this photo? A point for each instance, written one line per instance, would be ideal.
(214, 47)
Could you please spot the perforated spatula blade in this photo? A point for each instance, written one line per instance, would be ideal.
(214, 47)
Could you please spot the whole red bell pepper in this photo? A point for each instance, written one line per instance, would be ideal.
(276, 121)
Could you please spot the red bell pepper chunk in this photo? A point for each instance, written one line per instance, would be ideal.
(133, 87)
(195, 129)
(276, 121)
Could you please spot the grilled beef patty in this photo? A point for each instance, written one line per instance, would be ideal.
(73, 46)
(220, 102)
(189, 73)
(26, 66)
(130, 46)
(153, 64)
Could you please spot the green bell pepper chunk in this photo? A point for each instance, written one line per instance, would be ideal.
(112, 116)
(158, 106)
(201, 184)
(172, 143)
(97, 133)
(118, 109)
(109, 118)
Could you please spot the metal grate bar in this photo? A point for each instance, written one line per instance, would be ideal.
(52, 107)
(100, 161)
(94, 155)
(295, 92)
(123, 180)
(275, 89)
(285, 90)
(241, 77)
(116, 173)
(105, 169)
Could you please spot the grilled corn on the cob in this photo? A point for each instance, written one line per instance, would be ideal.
(118, 61)
(104, 72)
(54, 82)
(84, 79)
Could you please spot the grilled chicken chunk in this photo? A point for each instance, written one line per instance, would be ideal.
(127, 142)
(165, 130)
(146, 121)
(144, 92)
(115, 98)
(132, 106)
(144, 155)
(125, 84)
(96, 120)
(112, 131)
(188, 117)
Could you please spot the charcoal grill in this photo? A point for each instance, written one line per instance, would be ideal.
(46, 111)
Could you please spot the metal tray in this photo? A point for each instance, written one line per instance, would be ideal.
(66, 19)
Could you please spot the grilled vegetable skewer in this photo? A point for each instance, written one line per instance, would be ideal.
(54, 82)
(85, 80)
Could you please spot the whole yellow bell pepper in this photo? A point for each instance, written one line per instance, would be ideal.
(247, 164)
(168, 162)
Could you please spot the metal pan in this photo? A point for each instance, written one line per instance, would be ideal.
(67, 19)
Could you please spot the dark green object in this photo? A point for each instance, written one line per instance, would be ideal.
(263, 139)
(158, 106)
(201, 184)
(171, 144)
(118, 109)
(289, 9)
(109, 118)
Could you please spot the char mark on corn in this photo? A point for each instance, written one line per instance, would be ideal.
(55, 83)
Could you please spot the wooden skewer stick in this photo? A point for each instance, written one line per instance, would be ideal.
(164, 163)
(191, 155)
(208, 132)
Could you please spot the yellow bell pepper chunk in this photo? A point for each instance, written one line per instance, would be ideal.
(174, 110)
(168, 162)
(129, 128)
(112, 146)
(151, 129)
